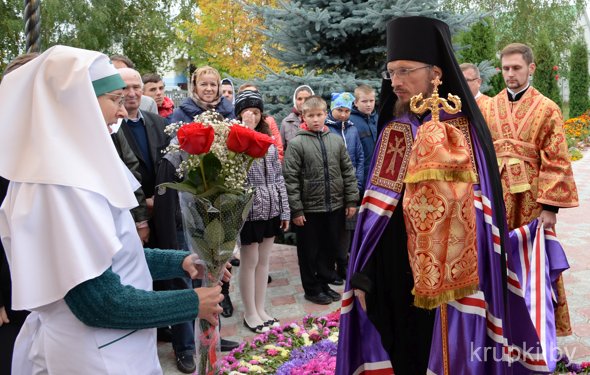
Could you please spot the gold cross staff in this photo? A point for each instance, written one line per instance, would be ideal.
(434, 102)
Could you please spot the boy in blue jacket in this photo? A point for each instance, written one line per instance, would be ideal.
(364, 117)
(338, 122)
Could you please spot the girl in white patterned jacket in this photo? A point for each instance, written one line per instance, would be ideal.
(268, 216)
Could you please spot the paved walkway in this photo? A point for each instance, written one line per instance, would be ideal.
(285, 294)
(573, 230)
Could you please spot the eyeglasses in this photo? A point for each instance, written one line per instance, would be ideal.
(121, 101)
(401, 72)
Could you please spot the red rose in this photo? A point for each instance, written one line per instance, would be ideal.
(195, 138)
(239, 138)
(555, 67)
(556, 77)
(260, 145)
(250, 142)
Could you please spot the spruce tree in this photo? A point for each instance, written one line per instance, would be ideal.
(578, 79)
(334, 45)
(547, 71)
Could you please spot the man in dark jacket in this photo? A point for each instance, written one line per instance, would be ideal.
(144, 132)
(140, 213)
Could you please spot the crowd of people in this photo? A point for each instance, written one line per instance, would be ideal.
(375, 203)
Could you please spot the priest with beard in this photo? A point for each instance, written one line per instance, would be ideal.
(429, 287)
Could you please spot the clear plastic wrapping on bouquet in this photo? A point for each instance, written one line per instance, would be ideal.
(211, 227)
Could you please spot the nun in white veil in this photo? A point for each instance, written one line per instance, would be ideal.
(75, 257)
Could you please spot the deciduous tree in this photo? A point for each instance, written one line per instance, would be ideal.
(228, 39)
(12, 41)
(140, 29)
(524, 20)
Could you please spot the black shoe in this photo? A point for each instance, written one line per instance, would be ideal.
(227, 306)
(273, 323)
(333, 294)
(320, 299)
(186, 363)
(269, 280)
(336, 281)
(227, 345)
(258, 329)
(235, 262)
(165, 334)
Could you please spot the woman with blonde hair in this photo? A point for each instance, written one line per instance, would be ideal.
(205, 95)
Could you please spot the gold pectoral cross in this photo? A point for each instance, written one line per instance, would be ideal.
(434, 102)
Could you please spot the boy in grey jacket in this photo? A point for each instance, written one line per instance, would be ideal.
(322, 190)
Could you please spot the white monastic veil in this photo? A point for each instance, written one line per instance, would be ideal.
(56, 150)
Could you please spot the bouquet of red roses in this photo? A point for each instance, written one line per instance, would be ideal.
(214, 199)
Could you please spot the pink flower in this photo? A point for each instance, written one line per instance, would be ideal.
(243, 369)
(555, 67)
(556, 77)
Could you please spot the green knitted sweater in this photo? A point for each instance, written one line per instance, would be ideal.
(105, 302)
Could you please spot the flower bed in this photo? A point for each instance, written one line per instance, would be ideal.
(577, 131)
(310, 347)
(566, 367)
(293, 349)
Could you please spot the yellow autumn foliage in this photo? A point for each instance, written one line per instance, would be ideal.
(229, 38)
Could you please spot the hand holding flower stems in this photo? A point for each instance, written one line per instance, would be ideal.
(197, 269)
(209, 300)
